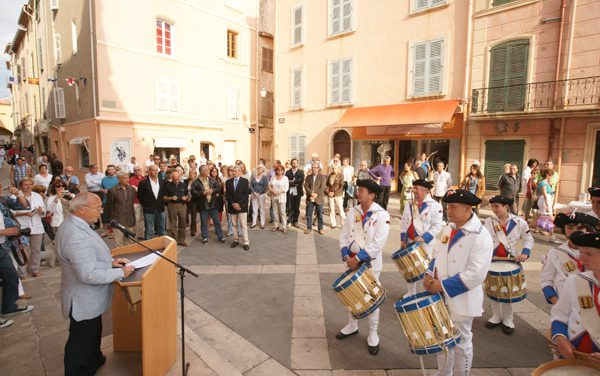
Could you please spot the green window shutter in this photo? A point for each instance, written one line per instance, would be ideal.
(497, 153)
(508, 66)
(496, 3)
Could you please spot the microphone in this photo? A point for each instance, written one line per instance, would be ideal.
(120, 227)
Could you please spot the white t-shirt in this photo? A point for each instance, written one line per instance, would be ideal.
(56, 208)
(40, 180)
(34, 223)
(348, 172)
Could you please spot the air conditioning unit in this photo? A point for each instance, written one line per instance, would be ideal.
(54, 4)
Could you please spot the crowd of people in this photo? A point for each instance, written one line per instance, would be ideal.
(162, 196)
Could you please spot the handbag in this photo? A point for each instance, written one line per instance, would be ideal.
(47, 223)
(19, 254)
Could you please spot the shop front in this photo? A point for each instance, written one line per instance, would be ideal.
(404, 131)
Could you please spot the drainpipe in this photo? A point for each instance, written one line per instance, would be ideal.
(93, 57)
(256, 82)
(570, 48)
(561, 30)
(561, 139)
(467, 93)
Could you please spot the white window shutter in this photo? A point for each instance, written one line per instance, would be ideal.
(419, 68)
(334, 95)
(335, 17)
(437, 2)
(174, 96)
(347, 15)
(294, 147)
(297, 25)
(301, 156)
(421, 4)
(59, 103)
(346, 81)
(297, 88)
(434, 69)
(161, 96)
(57, 49)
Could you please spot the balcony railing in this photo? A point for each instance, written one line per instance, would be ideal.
(537, 96)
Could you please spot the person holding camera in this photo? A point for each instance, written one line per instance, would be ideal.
(9, 234)
(32, 219)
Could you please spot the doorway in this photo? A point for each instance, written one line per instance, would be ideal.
(342, 144)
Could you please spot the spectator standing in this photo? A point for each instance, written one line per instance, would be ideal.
(120, 208)
(474, 182)
(530, 193)
(363, 171)
(296, 183)
(545, 199)
(56, 165)
(407, 177)
(278, 188)
(42, 178)
(314, 186)
(19, 171)
(207, 195)
(192, 205)
(135, 181)
(151, 193)
(108, 181)
(509, 186)
(258, 189)
(442, 181)
(383, 174)
(220, 192)
(176, 197)
(335, 191)
(314, 158)
(348, 172)
(237, 192)
(162, 173)
(71, 180)
(130, 167)
(150, 161)
(93, 180)
(421, 172)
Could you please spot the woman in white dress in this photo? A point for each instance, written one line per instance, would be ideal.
(278, 187)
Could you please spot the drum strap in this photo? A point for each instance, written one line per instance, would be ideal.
(587, 292)
(416, 219)
(568, 262)
(501, 236)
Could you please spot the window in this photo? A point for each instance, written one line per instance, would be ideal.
(164, 37)
(267, 105)
(427, 68)
(167, 95)
(297, 26)
(233, 103)
(84, 155)
(297, 90)
(497, 153)
(232, 44)
(24, 68)
(57, 49)
(297, 148)
(59, 103)
(496, 3)
(341, 16)
(74, 36)
(44, 104)
(340, 82)
(418, 5)
(267, 60)
(508, 76)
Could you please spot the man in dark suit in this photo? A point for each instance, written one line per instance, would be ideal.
(296, 178)
(237, 192)
(150, 194)
(314, 185)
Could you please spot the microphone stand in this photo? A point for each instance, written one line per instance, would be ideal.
(182, 270)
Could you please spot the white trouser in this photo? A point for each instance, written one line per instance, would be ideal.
(139, 220)
(280, 219)
(333, 202)
(503, 313)
(460, 357)
(352, 325)
(258, 206)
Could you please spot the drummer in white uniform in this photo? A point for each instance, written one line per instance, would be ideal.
(421, 222)
(595, 197)
(576, 315)
(459, 266)
(506, 229)
(563, 260)
(362, 239)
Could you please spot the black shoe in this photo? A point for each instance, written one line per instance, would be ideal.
(246, 247)
(99, 362)
(491, 325)
(341, 335)
(19, 309)
(374, 350)
(507, 330)
(234, 244)
(204, 241)
(222, 240)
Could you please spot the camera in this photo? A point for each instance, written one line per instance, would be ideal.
(67, 196)
(24, 231)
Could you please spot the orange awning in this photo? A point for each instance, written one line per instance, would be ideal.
(417, 113)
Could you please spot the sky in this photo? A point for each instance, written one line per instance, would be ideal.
(9, 13)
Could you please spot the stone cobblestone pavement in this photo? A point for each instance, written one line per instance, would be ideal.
(271, 311)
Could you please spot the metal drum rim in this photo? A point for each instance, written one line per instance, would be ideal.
(403, 305)
(337, 287)
(406, 250)
(449, 343)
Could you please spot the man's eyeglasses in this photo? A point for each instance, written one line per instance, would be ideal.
(98, 208)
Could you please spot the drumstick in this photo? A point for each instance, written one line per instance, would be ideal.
(496, 258)
(578, 354)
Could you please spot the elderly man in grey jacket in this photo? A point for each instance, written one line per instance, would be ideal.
(86, 291)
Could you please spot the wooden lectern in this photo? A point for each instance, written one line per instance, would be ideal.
(144, 307)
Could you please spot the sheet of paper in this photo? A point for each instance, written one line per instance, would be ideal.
(144, 261)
